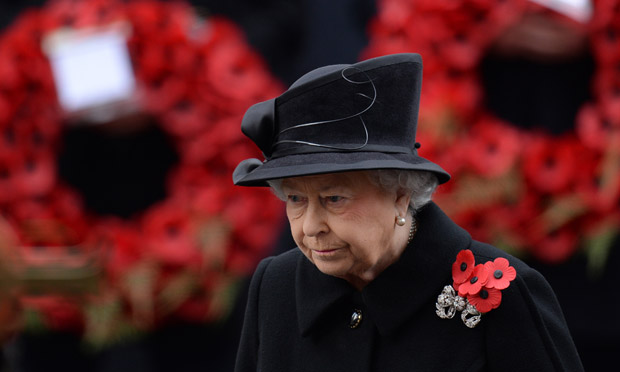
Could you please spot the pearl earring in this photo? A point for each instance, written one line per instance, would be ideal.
(400, 221)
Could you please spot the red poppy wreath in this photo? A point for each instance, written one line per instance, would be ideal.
(524, 190)
(180, 258)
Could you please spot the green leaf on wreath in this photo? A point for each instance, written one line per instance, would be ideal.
(599, 246)
(562, 210)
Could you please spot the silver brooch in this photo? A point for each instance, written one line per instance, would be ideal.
(448, 303)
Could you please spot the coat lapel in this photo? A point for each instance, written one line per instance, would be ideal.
(316, 293)
(419, 275)
(401, 290)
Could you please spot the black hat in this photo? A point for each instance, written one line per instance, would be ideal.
(339, 118)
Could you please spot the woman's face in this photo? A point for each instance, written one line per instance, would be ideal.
(345, 224)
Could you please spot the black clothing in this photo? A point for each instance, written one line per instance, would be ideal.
(297, 318)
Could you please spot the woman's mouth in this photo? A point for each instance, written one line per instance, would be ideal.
(324, 252)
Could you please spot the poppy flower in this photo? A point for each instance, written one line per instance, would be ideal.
(462, 267)
(212, 199)
(494, 148)
(6, 107)
(235, 69)
(9, 69)
(36, 176)
(557, 246)
(605, 80)
(164, 95)
(123, 246)
(395, 14)
(221, 134)
(8, 187)
(550, 166)
(475, 282)
(475, 221)
(592, 128)
(170, 236)
(185, 119)
(606, 46)
(500, 273)
(609, 102)
(601, 192)
(151, 62)
(461, 53)
(486, 299)
(466, 96)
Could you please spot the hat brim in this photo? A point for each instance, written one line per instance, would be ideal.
(253, 172)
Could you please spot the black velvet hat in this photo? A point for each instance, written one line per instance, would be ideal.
(339, 118)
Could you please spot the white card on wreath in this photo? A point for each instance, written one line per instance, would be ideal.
(579, 10)
(92, 68)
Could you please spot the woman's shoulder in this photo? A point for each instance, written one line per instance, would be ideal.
(283, 262)
(276, 271)
(529, 314)
(484, 252)
(527, 279)
(529, 293)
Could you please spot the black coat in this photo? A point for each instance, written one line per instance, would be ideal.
(298, 319)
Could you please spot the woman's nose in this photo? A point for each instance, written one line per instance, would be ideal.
(314, 220)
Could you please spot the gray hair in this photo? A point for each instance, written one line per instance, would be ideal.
(419, 184)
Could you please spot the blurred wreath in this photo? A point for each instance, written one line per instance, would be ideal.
(181, 259)
(527, 191)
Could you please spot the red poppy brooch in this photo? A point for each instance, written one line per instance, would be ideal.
(476, 289)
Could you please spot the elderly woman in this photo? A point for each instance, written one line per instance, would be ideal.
(383, 280)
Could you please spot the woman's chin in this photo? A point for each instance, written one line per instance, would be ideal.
(331, 267)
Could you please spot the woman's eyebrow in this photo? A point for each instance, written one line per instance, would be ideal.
(334, 188)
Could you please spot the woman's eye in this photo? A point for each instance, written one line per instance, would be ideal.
(294, 198)
(334, 199)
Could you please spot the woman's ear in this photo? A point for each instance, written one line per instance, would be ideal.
(402, 202)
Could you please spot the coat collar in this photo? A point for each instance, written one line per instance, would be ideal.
(398, 292)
